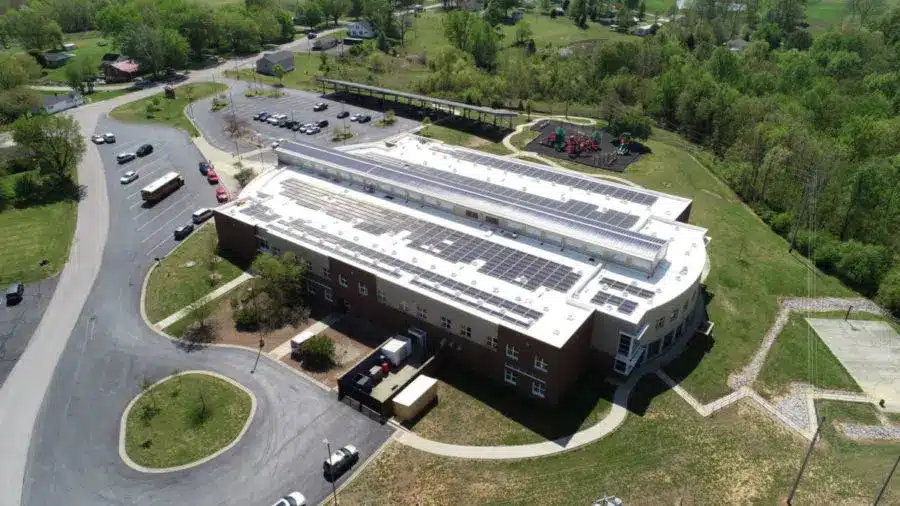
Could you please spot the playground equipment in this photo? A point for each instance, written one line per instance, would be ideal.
(556, 140)
(623, 144)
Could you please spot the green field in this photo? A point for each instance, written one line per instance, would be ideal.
(186, 274)
(458, 138)
(34, 234)
(800, 355)
(667, 455)
(86, 45)
(185, 419)
(170, 111)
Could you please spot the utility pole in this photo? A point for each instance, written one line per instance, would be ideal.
(848, 313)
(812, 444)
(886, 481)
(331, 471)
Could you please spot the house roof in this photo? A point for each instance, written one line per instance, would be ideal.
(737, 44)
(127, 66)
(278, 57)
(51, 100)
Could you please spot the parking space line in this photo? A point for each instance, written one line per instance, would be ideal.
(164, 225)
(173, 204)
(151, 250)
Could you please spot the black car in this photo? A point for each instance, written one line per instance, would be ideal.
(311, 35)
(14, 293)
(262, 116)
(320, 106)
(144, 150)
(296, 126)
(343, 114)
(322, 123)
(183, 231)
(365, 119)
(289, 124)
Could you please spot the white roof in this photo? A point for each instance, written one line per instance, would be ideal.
(395, 344)
(414, 390)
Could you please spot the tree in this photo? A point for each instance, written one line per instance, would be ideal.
(154, 49)
(55, 141)
(334, 9)
(81, 73)
(787, 13)
(625, 18)
(630, 120)
(282, 279)
(236, 127)
(493, 13)
(200, 29)
(17, 70)
(578, 11)
(544, 5)
(278, 71)
(524, 33)
(484, 44)
(204, 326)
(865, 10)
(17, 101)
(238, 31)
(311, 14)
(33, 29)
(244, 176)
(457, 28)
(889, 291)
(863, 264)
(642, 10)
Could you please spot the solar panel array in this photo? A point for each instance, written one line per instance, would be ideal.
(470, 296)
(622, 305)
(552, 176)
(571, 214)
(259, 212)
(628, 288)
(501, 262)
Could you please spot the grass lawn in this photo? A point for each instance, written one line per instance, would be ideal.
(471, 412)
(99, 96)
(521, 139)
(184, 419)
(186, 274)
(86, 46)
(465, 139)
(170, 111)
(800, 355)
(820, 14)
(848, 412)
(31, 235)
(669, 455)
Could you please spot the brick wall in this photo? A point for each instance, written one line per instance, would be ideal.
(237, 240)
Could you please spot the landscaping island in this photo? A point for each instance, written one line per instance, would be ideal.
(184, 419)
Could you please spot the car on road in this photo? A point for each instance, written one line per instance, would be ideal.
(128, 177)
(343, 114)
(292, 499)
(205, 166)
(98, 139)
(221, 194)
(340, 461)
(260, 116)
(183, 231)
(109, 137)
(320, 106)
(365, 118)
(125, 157)
(201, 215)
(354, 117)
(322, 123)
(14, 293)
(211, 176)
(145, 150)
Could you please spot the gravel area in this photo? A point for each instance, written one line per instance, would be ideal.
(855, 431)
(795, 406)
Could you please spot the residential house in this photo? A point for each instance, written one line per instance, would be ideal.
(736, 45)
(53, 60)
(56, 103)
(121, 71)
(266, 64)
(363, 29)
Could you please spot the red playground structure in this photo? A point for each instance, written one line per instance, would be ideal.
(573, 145)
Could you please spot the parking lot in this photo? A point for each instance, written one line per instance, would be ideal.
(18, 322)
(298, 106)
(143, 229)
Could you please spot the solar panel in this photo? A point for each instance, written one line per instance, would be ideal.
(622, 305)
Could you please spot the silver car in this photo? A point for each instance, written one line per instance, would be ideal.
(128, 177)
(292, 499)
(98, 139)
(340, 461)
(109, 138)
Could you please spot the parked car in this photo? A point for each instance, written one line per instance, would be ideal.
(145, 150)
(275, 118)
(292, 499)
(313, 130)
(221, 194)
(128, 177)
(205, 166)
(365, 119)
(212, 177)
(14, 293)
(289, 124)
(98, 139)
(183, 231)
(320, 106)
(311, 35)
(340, 461)
(109, 138)
(354, 117)
(281, 122)
(201, 215)
(297, 126)
(261, 116)
(124, 157)
(303, 128)
(343, 114)
(322, 123)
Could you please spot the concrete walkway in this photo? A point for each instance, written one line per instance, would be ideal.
(284, 349)
(181, 313)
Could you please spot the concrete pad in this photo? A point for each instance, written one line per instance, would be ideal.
(869, 350)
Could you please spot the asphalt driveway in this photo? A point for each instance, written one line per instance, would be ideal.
(17, 323)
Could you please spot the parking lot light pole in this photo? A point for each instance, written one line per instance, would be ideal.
(331, 471)
(262, 344)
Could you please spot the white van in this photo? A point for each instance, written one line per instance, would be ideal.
(201, 215)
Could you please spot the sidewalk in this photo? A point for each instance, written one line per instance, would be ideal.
(169, 320)
(225, 163)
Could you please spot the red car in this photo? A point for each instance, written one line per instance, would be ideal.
(212, 177)
(221, 194)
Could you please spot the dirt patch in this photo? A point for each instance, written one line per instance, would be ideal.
(226, 333)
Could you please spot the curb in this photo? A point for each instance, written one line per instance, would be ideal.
(378, 451)
(159, 470)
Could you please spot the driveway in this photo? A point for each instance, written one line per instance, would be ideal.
(17, 323)
(295, 104)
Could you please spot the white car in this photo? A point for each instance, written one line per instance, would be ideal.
(109, 138)
(354, 117)
(277, 143)
(340, 461)
(275, 118)
(128, 177)
(313, 130)
(98, 139)
(292, 499)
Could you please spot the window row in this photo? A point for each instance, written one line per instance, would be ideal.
(538, 388)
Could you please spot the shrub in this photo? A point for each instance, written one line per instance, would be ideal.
(244, 176)
(318, 352)
(781, 223)
(27, 189)
(827, 253)
(889, 291)
(863, 265)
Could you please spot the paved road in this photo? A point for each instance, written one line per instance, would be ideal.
(17, 323)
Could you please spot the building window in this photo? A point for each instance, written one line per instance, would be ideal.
(619, 367)
(421, 313)
(624, 345)
(653, 349)
(539, 389)
(675, 315)
(512, 352)
(511, 377)
(342, 281)
(670, 337)
(380, 294)
(471, 214)
(326, 272)
(492, 342)
(446, 323)
(404, 307)
(491, 220)
(660, 323)
(465, 331)
(310, 289)
(540, 364)
(263, 244)
(362, 289)
(347, 306)
(329, 295)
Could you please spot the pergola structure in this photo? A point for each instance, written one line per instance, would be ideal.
(457, 109)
